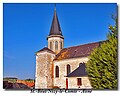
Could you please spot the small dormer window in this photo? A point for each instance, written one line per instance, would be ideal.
(80, 64)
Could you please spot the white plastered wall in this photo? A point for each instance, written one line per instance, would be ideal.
(74, 63)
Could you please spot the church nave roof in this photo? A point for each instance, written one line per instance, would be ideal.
(77, 51)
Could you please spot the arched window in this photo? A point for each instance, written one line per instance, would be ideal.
(56, 45)
(51, 45)
(68, 69)
(56, 71)
(61, 45)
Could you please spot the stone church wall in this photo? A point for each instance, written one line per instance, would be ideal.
(44, 70)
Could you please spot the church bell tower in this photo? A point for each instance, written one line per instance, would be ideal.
(55, 37)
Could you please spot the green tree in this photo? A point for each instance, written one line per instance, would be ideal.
(102, 64)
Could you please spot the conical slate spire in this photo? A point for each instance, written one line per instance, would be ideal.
(55, 27)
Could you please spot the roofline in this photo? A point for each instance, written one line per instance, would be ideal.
(44, 51)
(76, 76)
(10, 78)
(49, 51)
(87, 55)
(85, 44)
(71, 58)
(55, 36)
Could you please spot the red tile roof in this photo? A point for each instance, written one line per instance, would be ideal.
(46, 49)
(76, 51)
(8, 85)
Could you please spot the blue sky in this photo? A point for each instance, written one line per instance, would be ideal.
(26, 26)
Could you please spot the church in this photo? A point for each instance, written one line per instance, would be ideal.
(59, 67)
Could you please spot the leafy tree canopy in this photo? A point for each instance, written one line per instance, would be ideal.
(102, 64)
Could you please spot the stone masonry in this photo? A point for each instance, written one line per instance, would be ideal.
(44, 70)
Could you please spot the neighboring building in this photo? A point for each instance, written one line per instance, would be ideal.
(9, 85)
(29, 82)
(10, 79)
(61, 67)
(15, 83)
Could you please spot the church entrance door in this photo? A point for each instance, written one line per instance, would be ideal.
(66, 83)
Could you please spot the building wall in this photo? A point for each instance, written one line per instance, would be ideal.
(72, 83)
(62, 64)
(43, 78)
(59, 40)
